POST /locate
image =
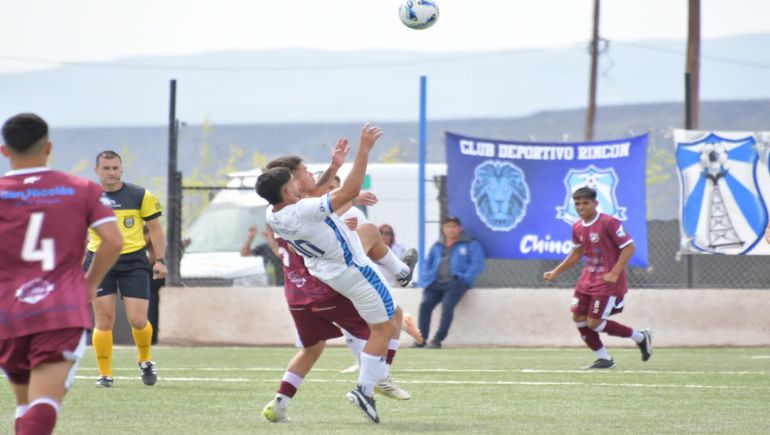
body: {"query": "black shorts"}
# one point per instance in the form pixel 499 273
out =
pixel 130 275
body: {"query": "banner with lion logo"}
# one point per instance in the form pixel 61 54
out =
pixel 516 197
pixel 725 191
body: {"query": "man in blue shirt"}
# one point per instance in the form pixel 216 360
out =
pixel 451 268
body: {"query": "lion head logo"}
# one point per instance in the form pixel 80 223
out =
pixel 500 194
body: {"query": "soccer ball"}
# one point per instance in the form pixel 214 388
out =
pixel 418 14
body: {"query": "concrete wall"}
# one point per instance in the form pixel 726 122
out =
pixel 485 317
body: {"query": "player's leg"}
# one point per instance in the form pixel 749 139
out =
pixel 135 288
pixel 313 329
pixel 356 346
pixel 104 319
pixel 14 365
pixel 366 289
pixel 431 297
pixel 381 254
pixel 609 305
pixel 385 385
pixel 54 356
pixel 298 368
pixel 455 290
pixel 581 303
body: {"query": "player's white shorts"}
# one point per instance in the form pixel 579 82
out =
pixel 368 290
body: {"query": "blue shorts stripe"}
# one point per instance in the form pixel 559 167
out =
pixel 345 249
pixel 382 290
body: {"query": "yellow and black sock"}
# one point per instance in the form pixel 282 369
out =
pixel 102 341
pixel 143 340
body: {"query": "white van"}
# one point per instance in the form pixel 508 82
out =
pixel 213 256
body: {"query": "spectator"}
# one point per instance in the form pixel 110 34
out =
pixel 451 268
pixel 267 251
pixel 389 237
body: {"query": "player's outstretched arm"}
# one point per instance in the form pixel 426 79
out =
pixel 572 259
pixel 105 256
pixel 339 154
pixel 351 187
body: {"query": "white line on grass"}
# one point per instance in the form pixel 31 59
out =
pixel 440 370
pixel 445 382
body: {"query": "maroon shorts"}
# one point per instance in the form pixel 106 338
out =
pixel 18 356
pixel 319 321
pixel 596 306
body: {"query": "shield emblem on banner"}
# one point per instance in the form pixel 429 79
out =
pixel 500 194
pixel 722 210
pixel 603 181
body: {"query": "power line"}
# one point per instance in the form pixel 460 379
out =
pixel 406 63
pixel 711 58
pixel 430 60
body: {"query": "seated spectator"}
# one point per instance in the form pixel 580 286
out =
pixel 451 268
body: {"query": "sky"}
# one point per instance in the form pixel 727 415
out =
pixel 43 33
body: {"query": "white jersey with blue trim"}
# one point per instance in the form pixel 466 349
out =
pixel 318 235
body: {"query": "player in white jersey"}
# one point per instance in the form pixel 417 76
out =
pixel 334 254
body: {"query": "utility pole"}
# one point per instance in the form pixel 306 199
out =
pixel 693 60
pixel 591 116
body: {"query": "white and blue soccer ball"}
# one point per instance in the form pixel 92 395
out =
pixel 418 14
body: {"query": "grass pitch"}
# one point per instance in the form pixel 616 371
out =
pixel 222 390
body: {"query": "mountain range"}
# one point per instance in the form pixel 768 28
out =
pixel 208 151
pixel 300 85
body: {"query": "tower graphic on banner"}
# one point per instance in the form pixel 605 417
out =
pixel 720 227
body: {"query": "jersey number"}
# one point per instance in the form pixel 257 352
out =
pixel 306 249
pixel 30 252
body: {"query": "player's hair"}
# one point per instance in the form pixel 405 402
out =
pixel 23 131
pixel 584 193
pixel 290 162
pixel 270 183
pixel 107 154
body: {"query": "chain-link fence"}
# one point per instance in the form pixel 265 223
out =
pixel 214 232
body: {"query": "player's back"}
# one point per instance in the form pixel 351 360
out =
pixel 44 217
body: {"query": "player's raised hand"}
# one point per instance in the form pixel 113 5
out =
pixel 340 152
pixel 252 231
pixel 549 276
pixel 365 198
pixel 369 135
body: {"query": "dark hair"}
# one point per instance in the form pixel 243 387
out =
pixel 270 183
pixel 289 162
pixel 107 154
pixel 23 131
pixel 454 219
pixel 584 192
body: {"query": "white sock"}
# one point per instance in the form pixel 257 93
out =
pixel 355 344
pixel 282 400
pixel 394 265
pixel 603 354
pixel 637 336
pixel 21 410
pixel 372 368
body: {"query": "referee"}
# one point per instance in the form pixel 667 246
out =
pixel 134 206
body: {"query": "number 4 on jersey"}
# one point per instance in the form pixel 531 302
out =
pixel 30 252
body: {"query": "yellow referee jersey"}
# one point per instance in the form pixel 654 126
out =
pixel 133 205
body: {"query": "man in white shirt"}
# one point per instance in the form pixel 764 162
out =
pixel 334 254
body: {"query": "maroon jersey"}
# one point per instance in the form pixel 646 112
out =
pixel 44 218
pixel 299 286
pixel 602 240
